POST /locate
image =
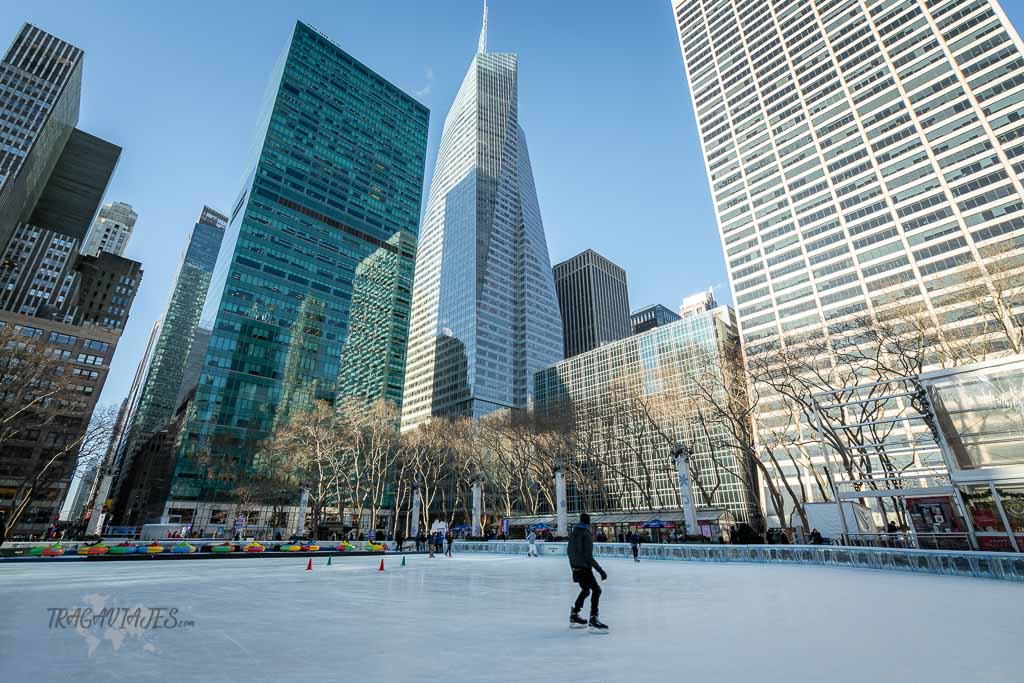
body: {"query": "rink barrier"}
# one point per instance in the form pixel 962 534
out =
pixel 982 565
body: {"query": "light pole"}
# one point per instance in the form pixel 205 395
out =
pixel 417 497
pixel 300 521
pixel 476 478
pixel 561 507
pixel 681 457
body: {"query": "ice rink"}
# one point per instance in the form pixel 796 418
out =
pixel 501 618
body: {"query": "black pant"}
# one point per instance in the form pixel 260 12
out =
pixel 449 551
pixel 588 586
pixel 636 550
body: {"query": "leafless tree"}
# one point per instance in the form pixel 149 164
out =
pixel 47 428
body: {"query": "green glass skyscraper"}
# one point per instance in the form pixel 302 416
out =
pixel 154 396
pixel 337 176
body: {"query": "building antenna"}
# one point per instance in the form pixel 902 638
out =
pixel 481 47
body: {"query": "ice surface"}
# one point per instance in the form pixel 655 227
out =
pixel 501 618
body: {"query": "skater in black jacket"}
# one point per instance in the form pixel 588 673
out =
pixel 634 542
pixel 581 560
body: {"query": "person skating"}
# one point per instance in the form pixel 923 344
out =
pixel 581 560
pixel 634 543
pixel 532 538
pixel 449 538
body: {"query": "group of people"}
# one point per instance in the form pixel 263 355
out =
pixel 435 542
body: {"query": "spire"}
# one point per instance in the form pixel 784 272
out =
pixel 482 45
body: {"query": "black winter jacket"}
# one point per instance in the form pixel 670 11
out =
pixel 581 549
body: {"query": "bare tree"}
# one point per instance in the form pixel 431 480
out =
pixel 309 451
pixel 47 428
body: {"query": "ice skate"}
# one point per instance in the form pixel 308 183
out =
pixel 576 621
pixel 596 626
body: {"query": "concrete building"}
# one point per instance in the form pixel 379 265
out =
pixel 594 302
pixel 864 159
pixel 70 307
pixel 111 230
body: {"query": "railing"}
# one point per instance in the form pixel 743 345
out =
pixel 951 541
pixel 1002 566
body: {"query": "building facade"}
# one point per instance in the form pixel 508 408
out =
pixel 160 378
pixel 484 312
pixel 52 428
pixel 338 174
pixel 649 317
pixel 373 356
pixel 863 159
pixel 39 103
pixel 111 230
pixel 594 302
pixel 628 405
pixel 69 307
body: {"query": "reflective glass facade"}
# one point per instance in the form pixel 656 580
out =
pixel 484 315
pixel 159 377
pixel 337 176
pixel 607 393
pixel 863 156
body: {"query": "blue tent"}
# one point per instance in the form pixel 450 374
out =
pixel 540 527
pixel 462 527
pixel 655 524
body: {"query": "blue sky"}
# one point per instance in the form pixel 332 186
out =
pixel 603 101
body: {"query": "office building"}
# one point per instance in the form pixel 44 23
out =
pixel 85 486
pixel 629 402
pixel 697 303
pixel 373 356
pixel 864 159
pixel 39 102
pixel 194 361
pixel 649 317
pixel 484 312
pixel 111 230
pixel 594 302
pixel 154 398
pixel 338 176
pixel 108 287
pixel 38 274
pixel 83 355
pixel 72 307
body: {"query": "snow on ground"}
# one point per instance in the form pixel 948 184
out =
pixel 501 618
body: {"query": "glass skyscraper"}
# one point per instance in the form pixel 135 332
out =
pixel 864 156
pixel 628 403
pixel 337 176
pixel 154 396
pixel 484 313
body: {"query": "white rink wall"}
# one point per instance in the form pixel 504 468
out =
pixel 1001 566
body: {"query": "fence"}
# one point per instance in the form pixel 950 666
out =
pixel 1001 566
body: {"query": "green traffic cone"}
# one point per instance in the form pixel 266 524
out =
pixel 403 560
pixel 328 560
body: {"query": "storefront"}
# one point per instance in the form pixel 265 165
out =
pixel 979 411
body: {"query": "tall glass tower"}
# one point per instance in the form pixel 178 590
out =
pixel 153 401
pixel 484 313
pixel 336 176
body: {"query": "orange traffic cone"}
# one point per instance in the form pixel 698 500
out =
pixel 381 568
pixel 309 565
